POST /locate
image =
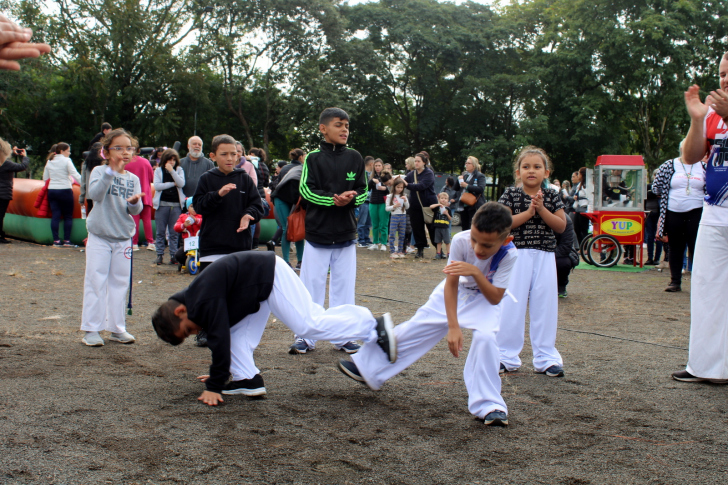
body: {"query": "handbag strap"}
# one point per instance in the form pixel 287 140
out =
pixel 418 192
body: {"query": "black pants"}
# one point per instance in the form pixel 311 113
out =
pixel 682 230
pixel 418 227
pixel 563 268
pixel 581 227
pixel 61 202
pixel 3 209
pixel 466 217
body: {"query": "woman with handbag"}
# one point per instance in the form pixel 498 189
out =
pixel 473 185
pixel 285 197
pixel 421 183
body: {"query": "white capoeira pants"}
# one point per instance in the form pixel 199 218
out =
pixel 426 328
pixel 108 264
pixel 533 284
pixel 315 269
pixel 292 304
pixel 708 355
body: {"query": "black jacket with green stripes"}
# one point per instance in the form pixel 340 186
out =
pixel 332 169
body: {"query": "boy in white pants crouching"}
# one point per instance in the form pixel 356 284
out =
pixel 232 300
pixel 478 271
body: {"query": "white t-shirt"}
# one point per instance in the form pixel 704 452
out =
pixel 678 198
pixel 462 250
pixel 59 169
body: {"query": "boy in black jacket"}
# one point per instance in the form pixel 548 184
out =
pixel 232 301
pixel 228 201
pixel 334 183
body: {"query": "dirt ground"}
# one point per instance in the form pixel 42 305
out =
pixel 129 414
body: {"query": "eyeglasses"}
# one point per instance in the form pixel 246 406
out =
pixel 123 149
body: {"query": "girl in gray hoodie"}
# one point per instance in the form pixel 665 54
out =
pixel 117 196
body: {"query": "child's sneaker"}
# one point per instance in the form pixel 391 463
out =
pixel 411 250
pixel 383 247
pixel 68 244
pixel 122 338
pixel 201 338
pixel 348 347
pixel 299 347
pixel 496 418
pixel 360 245
pixel 553 371
pixel 437 256
pixel 57 244
pixel 373 247
pixel 151 247
pixel 93 339
pixel 385 336
pixel 349 369
pixel 247 387
pixel 135 247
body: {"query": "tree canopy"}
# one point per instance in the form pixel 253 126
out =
pixel 578 78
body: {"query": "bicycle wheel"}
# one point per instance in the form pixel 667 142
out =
pixel 604 251
pixel 192 265
pixel 583 249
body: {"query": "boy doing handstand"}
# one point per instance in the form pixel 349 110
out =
pixel 478 272
pixel 232 300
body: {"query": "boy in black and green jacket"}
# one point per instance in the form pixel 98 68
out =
pixel 333 183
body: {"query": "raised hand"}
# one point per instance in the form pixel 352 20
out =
pixel 226 189
pixel 135 198
pixel 696 109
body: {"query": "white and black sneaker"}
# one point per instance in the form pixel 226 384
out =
pixel 385 336
pixel 247 387
pixel 496 418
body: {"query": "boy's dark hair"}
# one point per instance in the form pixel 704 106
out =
pixel 493 217
pixel 330 113
pixel 222 140
pixel 165 322
pixel 385 176
pixel 168 154
pixel 105 126
pixel 368 159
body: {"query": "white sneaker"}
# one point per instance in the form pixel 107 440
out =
pixel 123 338
pixel 93 339
pixel 135 247
pixel 373 247
pixel 411 250
pixel 151 247
pixel 383 247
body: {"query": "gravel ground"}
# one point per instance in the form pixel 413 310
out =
pixel 129 414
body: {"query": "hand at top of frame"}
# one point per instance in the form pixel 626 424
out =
pixel 14 44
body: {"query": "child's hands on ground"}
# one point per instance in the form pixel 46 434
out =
pixel 460 268
pixel 225 189
pixel 455 341
pixel 245 222
pixel 135 198
pixel 210 398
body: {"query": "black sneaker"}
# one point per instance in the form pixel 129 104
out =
pixel 673 287
pixel 270 245
pixel 496 418
pixel 685 376
pixel 503 370
pixel 173 261
pixel 201 338
pixel 247 387
pixel 385 336
pixel 159 260
pixel 349 369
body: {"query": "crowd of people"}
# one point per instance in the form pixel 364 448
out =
pixel 511 256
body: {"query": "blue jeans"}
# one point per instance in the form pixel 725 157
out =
pixel 165 218
pixel 61 202
pixel 364 225
pixel 283 210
